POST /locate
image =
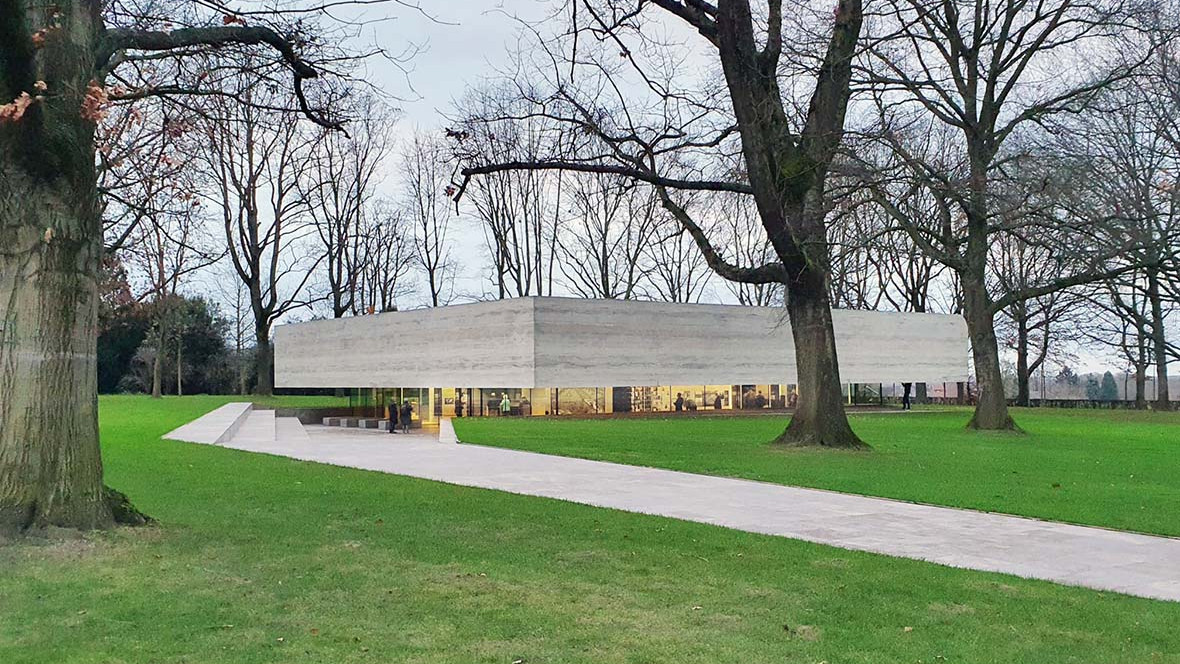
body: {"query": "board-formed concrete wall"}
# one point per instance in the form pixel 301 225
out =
pixel 606 342
pixel 468 345
pixel 565 342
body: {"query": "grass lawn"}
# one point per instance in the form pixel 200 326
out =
pixel 1119 469
pixel 266 559
pixel 193 406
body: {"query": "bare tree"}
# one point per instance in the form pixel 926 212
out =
pixel 957 89
pixel 857 273
pixel 258 161
pixel 426 176
pixel 1129 151
pixel 654 130
pixel 234 298
pixel 341 192
pixel 605 240
pixel 677 272
pixel 167 247
pixel 387 258
pixel 1120 319
pixel 519 209
pixel 1034 328
pixel 59 58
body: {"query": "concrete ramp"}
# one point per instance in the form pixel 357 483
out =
pixel 215 427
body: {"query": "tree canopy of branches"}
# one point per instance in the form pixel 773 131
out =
pixel 625 103
pixel 961 91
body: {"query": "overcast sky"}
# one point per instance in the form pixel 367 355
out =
pixel 469 40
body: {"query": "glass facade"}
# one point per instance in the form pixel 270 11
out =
pixel 430 404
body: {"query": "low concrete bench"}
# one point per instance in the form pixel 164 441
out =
pixel 364 423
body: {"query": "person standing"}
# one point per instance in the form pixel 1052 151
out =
pixel 679 403
pixel 407 414
pixel 505 406
pixel 717 402
pixel 458 404
pixel 393 416
pixel 905 396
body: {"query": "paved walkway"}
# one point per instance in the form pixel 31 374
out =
pixel 1092 557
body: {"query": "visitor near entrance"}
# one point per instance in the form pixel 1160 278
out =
pixel 393 416
pixel 679 402
pixel 505 405
pixel 407 414
pixel 717 402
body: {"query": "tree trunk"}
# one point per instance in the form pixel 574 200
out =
pixel 1022 377
pixel 787 174
pixel 1140 388
pixel 991 406
pixel 263 362
pixel 50 253
pixel 158 368
pixel 1141 372
pixel 819 418
pixel 241 360
pixel 179 366
pixel 1158 341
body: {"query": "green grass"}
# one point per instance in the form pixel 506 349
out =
pixel 1117 469
pixel 266 559
pixel 202 403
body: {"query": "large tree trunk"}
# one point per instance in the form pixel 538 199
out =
pixel 50 467
pixel 787 175
pixel 991 406
pixel 263 362
pixel 819 418
pixel 50 252
pixel 1158 341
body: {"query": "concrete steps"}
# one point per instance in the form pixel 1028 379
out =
pixel 258 427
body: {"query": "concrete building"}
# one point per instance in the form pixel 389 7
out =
pixel 573 356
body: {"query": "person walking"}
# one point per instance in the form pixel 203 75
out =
pixel 905 396
pixel 505 406
pixel 393 416
pixel 679 403
pixel 406 415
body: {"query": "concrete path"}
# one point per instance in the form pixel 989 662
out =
pixel 1091 557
